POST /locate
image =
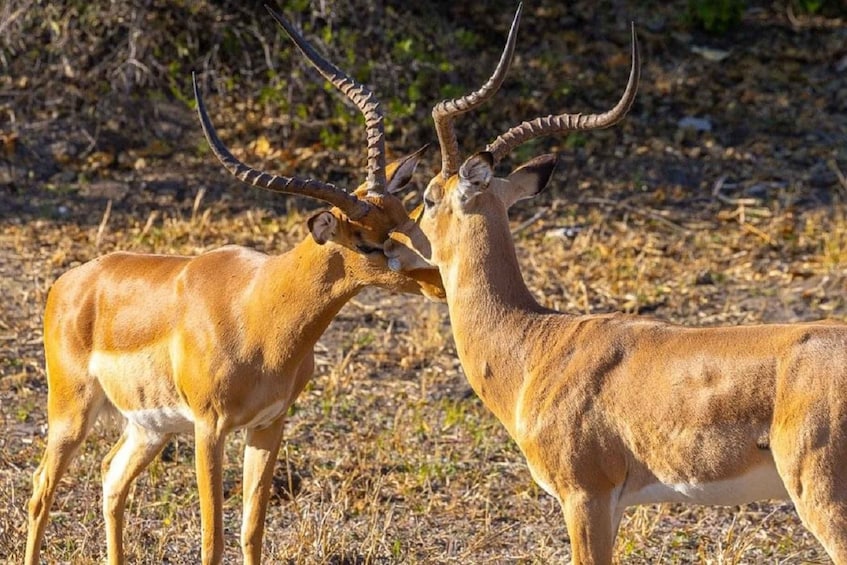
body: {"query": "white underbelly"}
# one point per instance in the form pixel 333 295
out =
pixel 759 483
pixel 141 390
pixel 266 415
pixel 166 419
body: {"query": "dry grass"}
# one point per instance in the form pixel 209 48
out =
pixel 389 456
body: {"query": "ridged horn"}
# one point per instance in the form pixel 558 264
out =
pixel 345 201
pixel 444 113
pixel 363 98
pixel 553 124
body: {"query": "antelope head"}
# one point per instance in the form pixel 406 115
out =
pixel 463 189
pixel 361 220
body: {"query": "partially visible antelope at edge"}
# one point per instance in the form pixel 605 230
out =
pixel 615 410
pixel 213 343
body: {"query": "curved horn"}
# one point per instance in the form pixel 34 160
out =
pixel 445 112
pixel 345 201
pixel 359 94
pixel 554 124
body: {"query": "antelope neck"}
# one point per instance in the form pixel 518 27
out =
pixel 311 278
pixel 491 311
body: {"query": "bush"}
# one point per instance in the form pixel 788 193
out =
pixel 716 16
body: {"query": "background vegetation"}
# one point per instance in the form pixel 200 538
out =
pixel 719 200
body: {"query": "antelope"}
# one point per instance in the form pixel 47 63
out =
pixel 614 410
pixel 214 343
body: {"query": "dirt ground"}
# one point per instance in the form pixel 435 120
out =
pixel 719 200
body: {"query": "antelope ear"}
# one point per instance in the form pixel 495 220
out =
pixel 403 171
pixel 475 174
pixel 527 180
pixel 323 226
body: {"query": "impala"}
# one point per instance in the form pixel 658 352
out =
pixel 616 410
pixel 213 343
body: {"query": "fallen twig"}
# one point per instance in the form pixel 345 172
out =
pixel 842 180
pixel 102 227
pixel 537 216
pixel 648 213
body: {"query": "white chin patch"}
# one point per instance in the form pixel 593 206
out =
pixel 394 264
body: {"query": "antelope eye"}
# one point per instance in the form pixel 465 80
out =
pixel 367 249
pixel 428 203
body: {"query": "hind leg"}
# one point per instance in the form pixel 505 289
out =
pixel 809 456
pixel 822 510
pixel 71 411
pixel 131 455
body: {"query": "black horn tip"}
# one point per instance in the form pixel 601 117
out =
pixel 198 96
pixel 270 9
pixel 289 29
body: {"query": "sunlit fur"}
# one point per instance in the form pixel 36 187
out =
pixel 208 344
pixel 615 410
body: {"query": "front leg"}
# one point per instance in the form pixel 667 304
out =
pixel 209 444
pixel 589 520
pixel 260 454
